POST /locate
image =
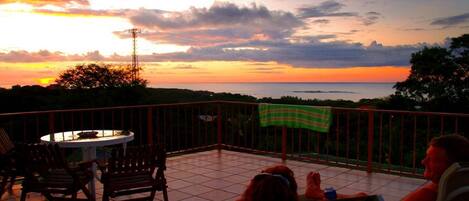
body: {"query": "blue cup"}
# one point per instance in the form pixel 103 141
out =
pixel 330 193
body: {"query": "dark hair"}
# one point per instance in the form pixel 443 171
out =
pixel 456 147
pixel 273 184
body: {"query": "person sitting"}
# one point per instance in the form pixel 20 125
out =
pixel 441 153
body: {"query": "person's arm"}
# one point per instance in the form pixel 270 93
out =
pixel 425 193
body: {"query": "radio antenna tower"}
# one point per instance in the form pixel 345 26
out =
pixel 135 69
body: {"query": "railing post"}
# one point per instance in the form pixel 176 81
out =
pixel 52 127
pixel 371 127
pixel 219 126
pixel 284 143
pixel 150 126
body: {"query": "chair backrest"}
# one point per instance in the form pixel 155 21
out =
pixel 136 159
pixel 43 157
pixel 454 183
pixel 6 145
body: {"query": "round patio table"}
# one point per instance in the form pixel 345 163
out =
pixel 88 144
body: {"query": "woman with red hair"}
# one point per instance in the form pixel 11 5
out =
pixel 272 184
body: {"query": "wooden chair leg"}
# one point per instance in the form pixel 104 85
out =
pixel 24 193
pixel 152 195
pixel 165 193
pixel 3 185
pixel 12 182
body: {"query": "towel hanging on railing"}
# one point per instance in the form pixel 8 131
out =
pixel 316 118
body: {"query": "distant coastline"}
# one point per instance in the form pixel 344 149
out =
pixel 306 90
pixel 319 91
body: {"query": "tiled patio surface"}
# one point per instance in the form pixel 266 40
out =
pixel 223 176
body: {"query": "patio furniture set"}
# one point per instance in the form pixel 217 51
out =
pixel 133 170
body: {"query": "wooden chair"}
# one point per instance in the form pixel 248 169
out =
pixel 8 166
pixel 48 173
pixel 454 183
pixel 132 171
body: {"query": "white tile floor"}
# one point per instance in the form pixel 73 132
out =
pixel 215 176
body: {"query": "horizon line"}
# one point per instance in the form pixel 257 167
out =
pixel 275 83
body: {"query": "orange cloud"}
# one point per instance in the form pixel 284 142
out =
pixel 80 13
pixel 38 3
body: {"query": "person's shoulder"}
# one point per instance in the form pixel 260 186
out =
pixel 424 193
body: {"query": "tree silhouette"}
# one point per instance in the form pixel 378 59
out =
pixel 90 76
pixel 439 77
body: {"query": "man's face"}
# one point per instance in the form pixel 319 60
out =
pixel 435 162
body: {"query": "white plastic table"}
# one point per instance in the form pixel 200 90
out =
pixel 70 139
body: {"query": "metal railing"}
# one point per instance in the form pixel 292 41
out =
pixel 369 139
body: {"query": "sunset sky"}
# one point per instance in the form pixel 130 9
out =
pixel 183 41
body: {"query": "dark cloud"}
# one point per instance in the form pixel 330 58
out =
pixel 332 8
pixel 45 55
pixel 25 56
pixel 373 13
pixel 335 34
pixel 451 20
pixel 413 29
pixel 308 54
pixel 185 67
pixel 313 38
pixel 207 37
pixel 220 14
pixel 219 24
pixel 370 18
pixel 325 9
pixel 266 68
pixel 39 3
pixel 321 21
pixel 260 64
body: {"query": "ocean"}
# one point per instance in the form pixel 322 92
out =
pixel 323 91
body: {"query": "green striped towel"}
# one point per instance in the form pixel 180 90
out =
pixel 296 116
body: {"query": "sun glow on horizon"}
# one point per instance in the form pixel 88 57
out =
pixel 209 72
pixel 46 80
